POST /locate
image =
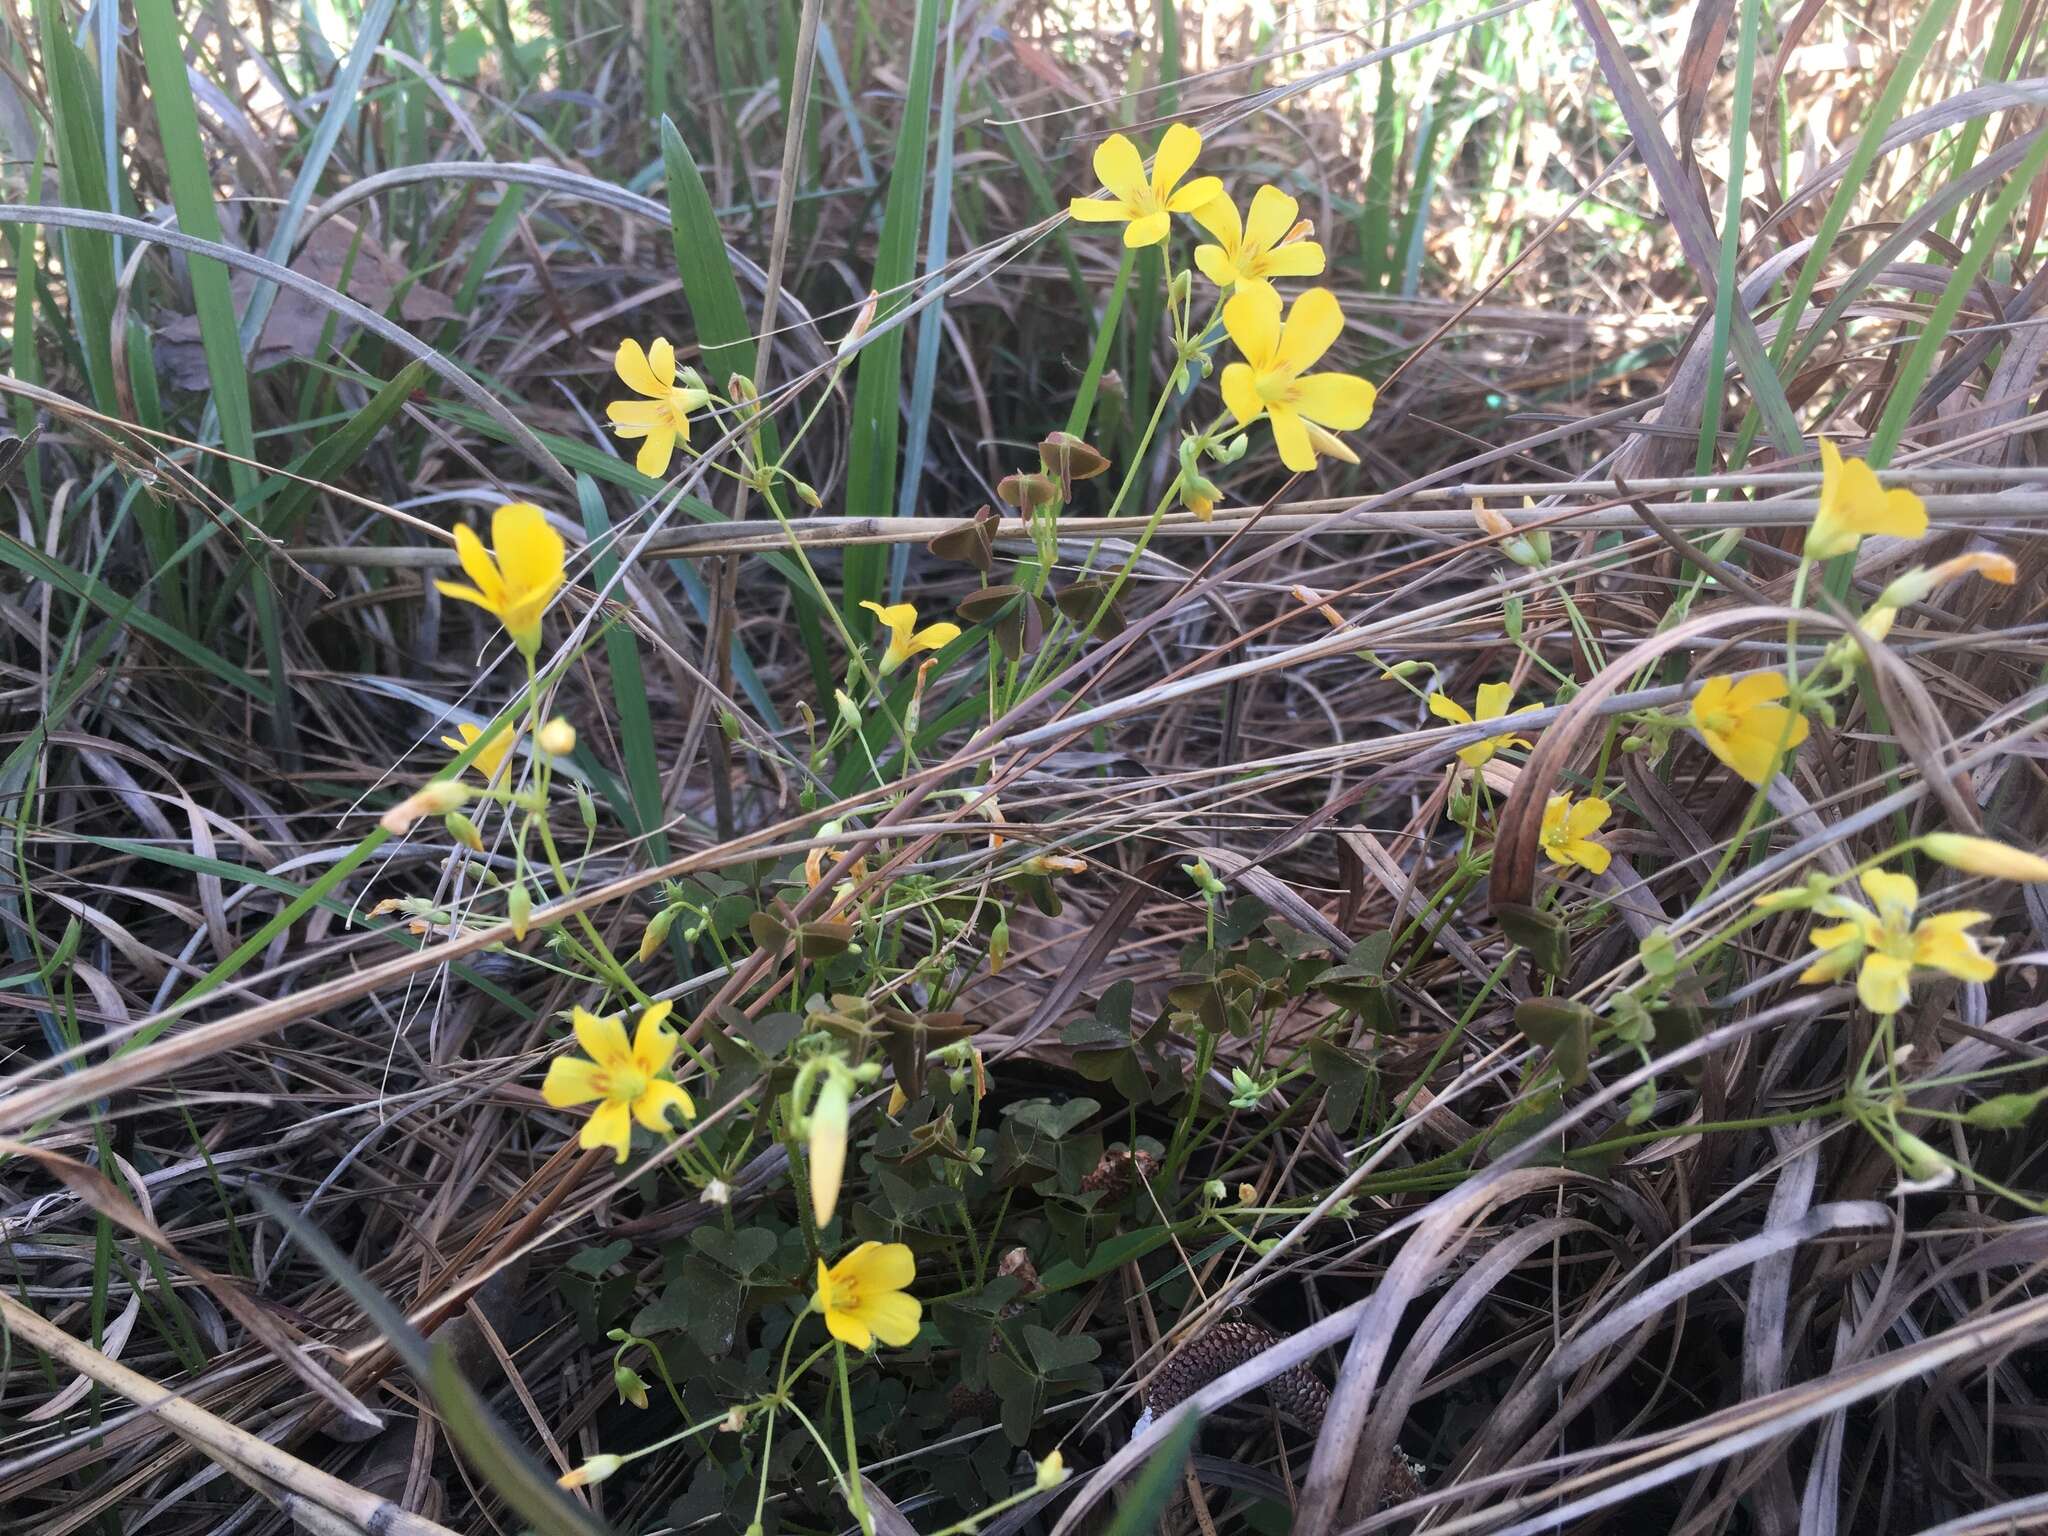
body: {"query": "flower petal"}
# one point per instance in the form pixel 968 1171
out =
pixel 1315 321
pixel 654 1044
pixel 572 1080
pixel 530 552
pixel 898 618
pixel 631 363
pixel 1203 189
pixel 1290 436
pixel 1942 944
pixel 652 1107
pixel 1098 210
pixel 1219 217
pixel 1240 386
pixel 603 1038
pixel 1119 167
pixel 636 413
pixel 1586 817
pixel 478 565
pixel 1339 400
pixel 882 1266
pixel 892 1316
pixel 1213 264
pixel 1444 707
pixel 1894 895
pixel 653 458
pixel 1589 855
pixel 661 361
pixel 1494 699
pixel 1883 985
pixel 1149 230
pixel 848 1329
pixel 1758 688
pixel 934 637
pixel 609 1125
pixel 1252 317
pixel 1304 258
pixel 1271 216
pixel 1178 147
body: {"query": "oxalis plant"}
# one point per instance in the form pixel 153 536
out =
pixel 929 1262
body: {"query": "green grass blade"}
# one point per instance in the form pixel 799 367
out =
pixel 701 261
pixel 629 682
pixel 82 177
pixel 878 375
pixel 1727 283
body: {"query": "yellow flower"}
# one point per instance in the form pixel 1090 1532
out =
pixel 1265 245
pixel 664 415
pixel 1888 946
pixel 1493 705
pixel 862 1296
pixel 1145 207
pixel 488 761
pixel 1568 832
pixel 523 578
pixel 624 1078
pixel 1744 726
pixel 1853 504
pixel 1273 380
pixel 905 638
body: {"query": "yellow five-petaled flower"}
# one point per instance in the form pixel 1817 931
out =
pixel 523 578
pixel 1743 724
pixel 1266 244
pixel 1853 504
pixel 1146 206
pixel 863 1296
pixel 905 638
pixel 1567 833
pixel 623 1077
pixel 1493 703
pixel 1273 380
pixel 491 756
pixel 664 414
pixel 1888 945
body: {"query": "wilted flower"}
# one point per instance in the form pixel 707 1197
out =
pixel 436 798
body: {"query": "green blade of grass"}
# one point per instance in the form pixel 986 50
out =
pixel 1727 284
pixel 701 261
pixel 878 375
pixel 82 177
pixel 629 684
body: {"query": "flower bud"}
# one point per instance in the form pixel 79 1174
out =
pixel 1213 1191
pixel 1247 1194
pixel 1984 856
pixel 1052 1471
pixel 999 945
pixel 861 323
pixel 435 798
pixel 805 494
pixel 595 1470
pixel 2005 1112
pixel 1923 1165
pixel 1914 586
pixel 631 1387
pixel 518 911
pixel 557 738
pixel 829 1120
pixel 586 809
pixel 717 1192
pixel 655 934
pixel 464 831
pixel 849 712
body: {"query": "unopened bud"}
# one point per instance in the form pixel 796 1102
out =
pixel 804 493
pixel 1178 290
pixel 595 1470
pixel 436 798
pixel 2005 1112
pixel 829 1120
pixel 1247 1194
pixel 518 911
pixel 861 323
pixel 1984 856
pixel 1923 1165
pixel 464 831
pixel 655 934
pixel 1052 1471
pixel 557 738
pixel 631 1387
